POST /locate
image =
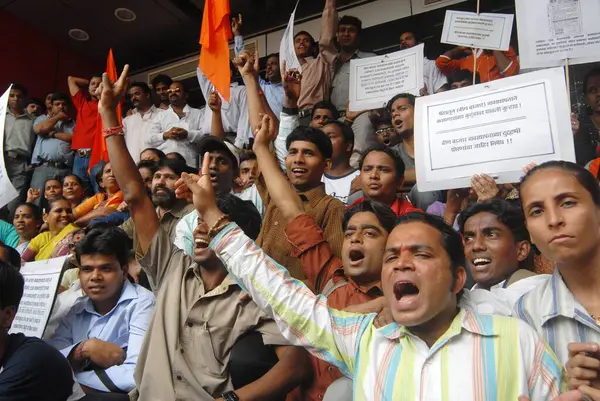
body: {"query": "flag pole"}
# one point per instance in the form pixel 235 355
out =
pixel 568 74
pixel 475 53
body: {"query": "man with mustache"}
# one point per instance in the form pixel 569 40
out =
pixel 143 121
pixel 161 84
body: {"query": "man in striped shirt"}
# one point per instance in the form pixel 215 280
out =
pixel 443 352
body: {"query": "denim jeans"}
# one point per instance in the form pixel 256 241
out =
pixel 80 169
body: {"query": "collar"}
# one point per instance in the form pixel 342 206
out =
pixel 558 300
pixel 372 291
pixel 475 323
pixel 186 109
pixel 313 196
pixel 127 293
pixel 221 289
pixel 179 210
pixel 25 114
pixel 151 110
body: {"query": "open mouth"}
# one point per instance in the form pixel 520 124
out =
pixel 405 291
pixel 356 256
pixel 299 171
pixel 398 123
pixel 481 262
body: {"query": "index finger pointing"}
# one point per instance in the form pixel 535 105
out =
pixel 205 170
pixel 123 76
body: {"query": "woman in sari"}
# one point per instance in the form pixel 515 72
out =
pixel 60 224
pixel 72 190
pixel 27 222
pixel 103 203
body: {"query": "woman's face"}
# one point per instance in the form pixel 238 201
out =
pixel 52 189
pixel 25 223
pixel 109 181
pixel 72 190
pixel 59 216
pixel 561 216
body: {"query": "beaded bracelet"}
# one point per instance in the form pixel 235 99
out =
pixel 108 132
pixel 216 225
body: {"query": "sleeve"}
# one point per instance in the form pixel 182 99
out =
pixel 252 194
pixel 114 219
pixel 270 333
pixel 303 318
pixel 115 200
pixel 37 242
pixel 195 132
pixel 62 339
pixel 155 136
pixel 78 99
pixel 447 65
pixel 287 123
pixel 243 128
pixel 332 227
pixel 122 375
pixel 184 229
pixel 205 84
pixel 584 148
pixel 514 67
pixel 128 227
pixel 160 257
pixel 35 370
pixel 238 41
pixel 327 48
pixel 309 245
pixel 439 79
pixel 8 234
pixel 86 206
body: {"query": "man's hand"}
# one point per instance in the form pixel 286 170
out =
pixel 236 24
pixel 203 195
pixel 214 101
pixel 103 353
pixel 265 132
pixel 353 115
pixel 110 93
pixel 180 133
pixel 247 64
pixel 583 365
pixel 32 195
pixel 484 186
pixel 528 167
pixel 570 396
pixel 62 116
pixel 423 91
pixel 122 207
pixel 292 80
pixel 574 124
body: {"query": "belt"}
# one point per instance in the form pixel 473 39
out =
pixel 304 113
pixel 17 156
pixel 60 165
pixel 83 152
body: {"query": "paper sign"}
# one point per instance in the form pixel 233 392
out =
pixel 7 190
pixel 41 285
pixel 287 50
pixel 422 6
pixel 483 31
pixel 494 128
pixel 375 80
pixel 552 30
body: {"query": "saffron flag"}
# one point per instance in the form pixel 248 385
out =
pixel 99 151
pixel 215 35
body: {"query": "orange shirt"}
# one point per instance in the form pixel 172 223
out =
pixel 87 118
pixel 486 65
pixel 325 272
pixel 95 201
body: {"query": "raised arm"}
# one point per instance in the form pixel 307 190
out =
pixel 289 120
pixel 75 84
pixel 329 22
pixel 507 62
pixel 214 103
pixel 450 61
pixel 126 173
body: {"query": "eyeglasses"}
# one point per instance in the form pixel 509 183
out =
pixel 382 131
pixel 176 90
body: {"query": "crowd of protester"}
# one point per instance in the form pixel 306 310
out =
pixel 276 246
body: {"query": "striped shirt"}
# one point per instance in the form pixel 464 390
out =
pixel 478 358
pixel 557 316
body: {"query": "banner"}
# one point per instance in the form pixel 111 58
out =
pixel 483 31
pixel 7 190
pixel 287 50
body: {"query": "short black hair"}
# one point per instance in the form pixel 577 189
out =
pixel 11 285
pixel 104 239
pixel 183 85
pixel 347 131
pixel 273 55
pixel 241 212
pixel 350 20
pixel 175 156
pixel 142 85
pixel 35 210
pixel 398 163
pixel 379 117
pixel 247 155
pixel 312 40
pixel 411 100
pixel 594 72
pixel 325 106
pixel 176 165
pixel 161 79
pixel 19 87
pixel 98 75
pixel 157 152
pixel 451 240
pixel 149 164
pixel 55 199
pixel 37 101
pixel 12 257
pixel 60 96
pixel 583 176
pixel 415 35
pixel 508 214
pixel 313 135
pixel 385 215
pixel 463 75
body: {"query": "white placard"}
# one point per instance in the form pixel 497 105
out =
pixel 7 190
pixel 494 128
pixel 552 30
pixel 483 31
pixel 287 51
pixel 375 80
pixel 422 6
pixel 41 285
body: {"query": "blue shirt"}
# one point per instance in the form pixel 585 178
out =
pixel 8 234
pixel 53 149
pixel 125 325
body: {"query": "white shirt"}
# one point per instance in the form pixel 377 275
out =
pixel 191 122
pixel 432 76
pixel 138 128
pixel 339 187
pixel 234 113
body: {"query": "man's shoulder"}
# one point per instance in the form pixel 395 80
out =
pixel 143 293
pixel 29 351
pixel 41 119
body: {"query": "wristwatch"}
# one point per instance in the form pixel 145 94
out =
pixel 230 396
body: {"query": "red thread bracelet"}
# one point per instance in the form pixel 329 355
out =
pixel 108 132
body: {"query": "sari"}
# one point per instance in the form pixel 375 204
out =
pixel 44 244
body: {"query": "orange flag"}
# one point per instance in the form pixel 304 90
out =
pixel 214 38
pixel 99 151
